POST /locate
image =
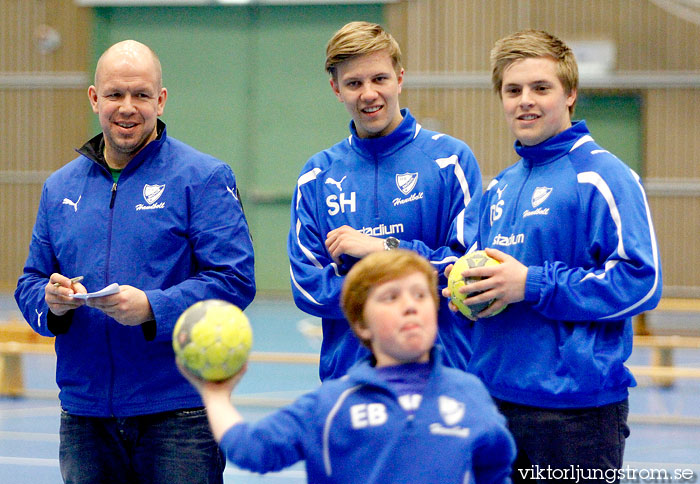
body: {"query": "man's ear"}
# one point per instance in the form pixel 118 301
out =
pixel 336 89
pixel 571 98
pixel 92 96
pixel 162 97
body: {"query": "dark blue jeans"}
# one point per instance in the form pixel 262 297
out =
pixel 583 445
pixel 166 448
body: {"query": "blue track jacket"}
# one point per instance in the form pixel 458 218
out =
pixel 354 430
pixel 416 185
pixel 173 227
pixel 579 219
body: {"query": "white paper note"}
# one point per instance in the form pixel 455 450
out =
pixel 107 291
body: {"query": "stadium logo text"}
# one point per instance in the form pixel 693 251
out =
pixel 507 241
pixel 383 230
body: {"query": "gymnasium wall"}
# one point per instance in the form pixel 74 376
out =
pixel 43 112
pixel 246 84
pixel 446 45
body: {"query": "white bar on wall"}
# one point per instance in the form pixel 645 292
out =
pixel 44 80
pixel 140 3
pixel 617 80
pixel 145 3
pixel 672 187
pixel 11 177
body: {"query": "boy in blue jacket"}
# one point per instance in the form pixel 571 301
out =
pixel 572 227
pixel 398 416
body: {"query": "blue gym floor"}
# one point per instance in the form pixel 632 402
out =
pixel 665 422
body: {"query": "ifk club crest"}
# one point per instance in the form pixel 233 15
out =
pixel 151 193
pixel 451 410
pixel 406 182
pixel 540 195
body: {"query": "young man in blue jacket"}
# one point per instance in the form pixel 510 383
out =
pixel 390 184
pixel 572 227
pixel 398 416
pixel 164 222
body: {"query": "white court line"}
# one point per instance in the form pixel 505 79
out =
pixel 286 474
pixel 32 436
pixel 29 412
pixel 664 419
pixel 230 470
pixel 28 461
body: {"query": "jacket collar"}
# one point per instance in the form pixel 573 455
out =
pixel 363 372
pixel 552 148
pixel 385 145
pixel 94 149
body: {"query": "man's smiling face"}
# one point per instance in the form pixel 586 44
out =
pixel 535 103
pixel 128 98
pixel 369 86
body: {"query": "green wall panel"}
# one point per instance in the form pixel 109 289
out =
pixel 297 112
pixel 204 54
pixel 247 85
pixel 615 121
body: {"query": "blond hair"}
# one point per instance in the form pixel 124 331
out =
pixel 375 269
pixel 359 38
pixel 529 44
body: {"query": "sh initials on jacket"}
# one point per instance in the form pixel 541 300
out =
pixel 67 201
pixel 341 203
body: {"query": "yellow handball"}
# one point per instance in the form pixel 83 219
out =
pixel 212 339
pixel 455 281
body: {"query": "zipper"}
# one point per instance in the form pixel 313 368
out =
pixel 376 188
pixel 110 391
pixel 514 215
pixel 109 228
pixel 114 194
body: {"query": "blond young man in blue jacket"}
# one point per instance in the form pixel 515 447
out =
pixel 571 225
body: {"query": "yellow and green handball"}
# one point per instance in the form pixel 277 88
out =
pixel 212 339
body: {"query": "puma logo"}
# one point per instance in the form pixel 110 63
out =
pixel 499 191
pixel 336 183
pixel 72 203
